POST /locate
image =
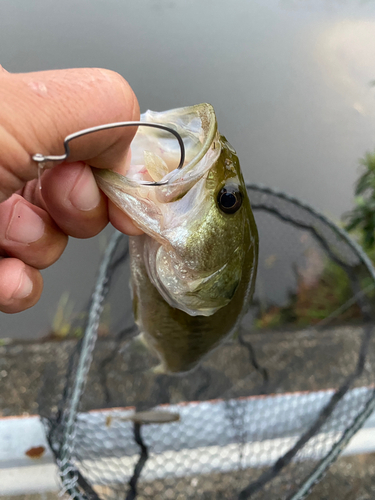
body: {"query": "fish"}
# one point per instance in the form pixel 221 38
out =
pixel 193 270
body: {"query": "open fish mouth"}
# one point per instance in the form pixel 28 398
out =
pixel 155 154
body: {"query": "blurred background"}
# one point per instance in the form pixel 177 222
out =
pixel 291 83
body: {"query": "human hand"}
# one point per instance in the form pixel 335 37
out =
pixel 37 111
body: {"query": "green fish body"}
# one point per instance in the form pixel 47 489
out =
pixel 193 270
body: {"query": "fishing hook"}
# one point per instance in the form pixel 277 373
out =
pixel 40 159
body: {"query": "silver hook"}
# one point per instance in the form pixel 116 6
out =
pixel 39 158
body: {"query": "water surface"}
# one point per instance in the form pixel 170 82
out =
pixel 290 82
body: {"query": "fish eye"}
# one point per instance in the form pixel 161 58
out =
pixel 229 199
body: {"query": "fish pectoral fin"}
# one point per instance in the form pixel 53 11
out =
pixel 156 166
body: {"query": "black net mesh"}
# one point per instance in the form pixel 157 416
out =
pixel 262 416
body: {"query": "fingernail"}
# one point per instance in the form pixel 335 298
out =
pixel 85 195
pixel 24 288
pixel 25 225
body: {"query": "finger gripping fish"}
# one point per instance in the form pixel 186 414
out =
pixel 193 270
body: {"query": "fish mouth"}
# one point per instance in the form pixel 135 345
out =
pixel 154 152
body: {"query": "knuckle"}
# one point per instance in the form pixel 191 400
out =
pixel 127 97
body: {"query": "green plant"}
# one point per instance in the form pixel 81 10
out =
pixel 314 302
pixel 310 304
pixel 62 323
pixel 362 217
pixel 67 324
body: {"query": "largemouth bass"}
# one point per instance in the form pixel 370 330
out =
pixel 193 271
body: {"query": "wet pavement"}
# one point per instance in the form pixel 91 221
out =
pixel 296 361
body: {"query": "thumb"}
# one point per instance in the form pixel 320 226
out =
pixel 38 110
